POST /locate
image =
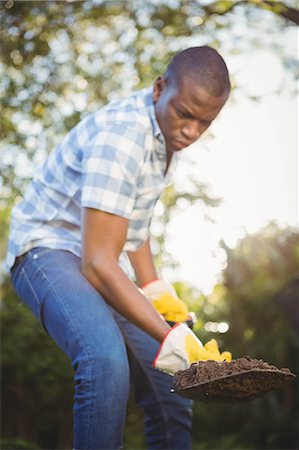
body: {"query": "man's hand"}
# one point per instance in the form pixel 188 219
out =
pixel 181 347
pixel 165 300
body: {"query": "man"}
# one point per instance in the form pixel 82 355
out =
pixel 87 208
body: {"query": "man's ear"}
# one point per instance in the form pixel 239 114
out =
pixel 159 86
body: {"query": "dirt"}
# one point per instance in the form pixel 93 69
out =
pixel 241 379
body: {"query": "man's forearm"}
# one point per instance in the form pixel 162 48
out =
pixel 116 288
pixel 143 264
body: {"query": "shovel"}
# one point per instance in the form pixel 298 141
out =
pixel 222 382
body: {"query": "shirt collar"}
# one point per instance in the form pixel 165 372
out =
pixel 148 100
pixel 160 147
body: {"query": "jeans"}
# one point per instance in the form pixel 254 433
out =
pixel 107 353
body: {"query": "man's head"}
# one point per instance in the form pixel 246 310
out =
pixel 190 95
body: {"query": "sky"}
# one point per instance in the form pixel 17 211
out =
pixel 251 162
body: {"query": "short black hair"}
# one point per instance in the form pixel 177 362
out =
pixel 203 65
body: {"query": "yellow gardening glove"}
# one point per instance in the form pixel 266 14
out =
pixel 209 351
pixel 165 300
pixel 181 347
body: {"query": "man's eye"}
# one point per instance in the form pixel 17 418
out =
pixel 181 113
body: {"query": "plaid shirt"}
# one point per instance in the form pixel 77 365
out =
pixel 114 160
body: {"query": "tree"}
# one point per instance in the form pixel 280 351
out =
pixel 60 61
pixel 257 271
pixel 36 385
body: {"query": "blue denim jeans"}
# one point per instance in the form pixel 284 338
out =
pixel 107 353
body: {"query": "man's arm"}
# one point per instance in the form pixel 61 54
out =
pixel 143 264
pixel 103 238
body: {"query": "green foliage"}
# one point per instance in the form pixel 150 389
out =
pixel 37 385
pixel 134 437
pixel 62 60
pixel 268 259
pixel 14 444
pixel 257 269
pixel 221 7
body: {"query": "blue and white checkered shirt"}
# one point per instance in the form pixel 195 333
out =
pixel 114 160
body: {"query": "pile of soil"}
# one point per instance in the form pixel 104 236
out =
pixel 241 379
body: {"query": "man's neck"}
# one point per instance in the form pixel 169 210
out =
pixel 168 160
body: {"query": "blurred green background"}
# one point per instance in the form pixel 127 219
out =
pixel 62 60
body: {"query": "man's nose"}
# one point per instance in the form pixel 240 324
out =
pixel 192 131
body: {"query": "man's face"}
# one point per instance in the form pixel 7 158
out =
pixel 184 111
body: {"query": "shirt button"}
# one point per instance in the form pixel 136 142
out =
pixel 160 157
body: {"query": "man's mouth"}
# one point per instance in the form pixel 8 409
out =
pixel 180 144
